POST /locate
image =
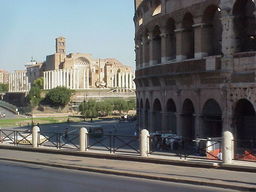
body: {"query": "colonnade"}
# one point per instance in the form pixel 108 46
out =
pixel 70 78
pixel 123 80
pixel 18 82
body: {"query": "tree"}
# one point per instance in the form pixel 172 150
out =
pixel 104 107
pixel 59 96
pixel 131 104
pixel 88 109
pixel 34 96
pixel 3 87
pixel 39 83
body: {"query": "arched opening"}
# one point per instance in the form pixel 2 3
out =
pixel 140 52
pixel 188 42
pixel 244 121
pixel 146 48
pixel 157 116
pixel 171 116
pixel 245 25
pixel 188 120
pixel 147 109
pixel 157 7
pixel 212 30
pixel 211 119
pixel 156 45
pixel 171 39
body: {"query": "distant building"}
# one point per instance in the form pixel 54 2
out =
pixel 4 76
pixel 18 82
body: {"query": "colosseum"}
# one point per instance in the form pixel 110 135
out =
pixel 195 67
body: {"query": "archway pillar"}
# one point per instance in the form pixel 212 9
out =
pixel 164 37
pixel 198 125
pixel 179 124
pixel 180 44
pixel 202 40
pixel 151 49
pixel 145 51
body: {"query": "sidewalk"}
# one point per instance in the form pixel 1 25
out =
pixel 154 167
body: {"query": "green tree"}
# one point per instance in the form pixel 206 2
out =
pixel 131 104
pixel 34 96
pixel 104 107
pixel 59 96
pixel 39 83
pixel 3 87
pixel 88 109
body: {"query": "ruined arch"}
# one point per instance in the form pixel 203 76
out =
pixel 171 116
pixel 147 111
pixel 212 30
pixel 188 120
pixel 156 7
pixel 188 43
pixel 211 119
pixel 171 39
pixel 157 115
pixel 157 45
pixel 244 120
pixel 245 25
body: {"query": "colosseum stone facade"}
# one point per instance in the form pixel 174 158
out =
pixel 195 67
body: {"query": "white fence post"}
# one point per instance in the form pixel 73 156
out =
pixel 35 136
pixel 83 139
pixel 228 147
pixel 144 143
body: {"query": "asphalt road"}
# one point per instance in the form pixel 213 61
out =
pixel 29 178
pixel 9 115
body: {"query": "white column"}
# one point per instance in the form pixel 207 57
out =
pixel 126 80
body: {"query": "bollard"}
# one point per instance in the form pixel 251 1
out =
pixel 83 139
pixel 144 143
pixel 35 136
pixel 228 147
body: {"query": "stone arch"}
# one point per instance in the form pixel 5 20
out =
pixel 245 25
pixel 156 45
pixel 171 39
pixel 211 119
pixel 146 47
pixel 188 120
pixel 147 112
pixel 244 120
pixel 188 43
pixel 171 116
pixel 157 115
pixel 157 7
pixel 212 30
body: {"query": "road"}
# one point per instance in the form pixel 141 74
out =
pixel 29 178
pixel 9 115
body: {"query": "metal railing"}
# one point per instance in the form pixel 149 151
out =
pixel 16 137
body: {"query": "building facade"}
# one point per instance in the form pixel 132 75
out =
pixel 4 76
pixel 18 82
pixel 195 67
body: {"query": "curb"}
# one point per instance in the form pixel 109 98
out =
pixel 136 175
pixel 135 158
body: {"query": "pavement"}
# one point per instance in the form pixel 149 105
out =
pixel 238 176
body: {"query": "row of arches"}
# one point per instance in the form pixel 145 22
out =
pixel 189 39
pixel 209 122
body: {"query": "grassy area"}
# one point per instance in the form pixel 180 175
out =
pixel 41 120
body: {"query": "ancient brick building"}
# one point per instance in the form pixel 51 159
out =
pixel 195 67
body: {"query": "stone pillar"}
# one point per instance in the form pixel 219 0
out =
pixel 35 136
pixel 202 44
pixel 83 139
pixel 179 124
pixel 164 36
pixel 151 49
pixel 126 80
pixel 44 80
pixel 198 122
pixel 179 44
pixel 144 143
pixel 228 40
pixel 227 147
pixel 145 51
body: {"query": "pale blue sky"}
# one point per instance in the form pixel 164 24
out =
pixel 28 28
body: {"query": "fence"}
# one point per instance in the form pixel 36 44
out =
pixel 144 144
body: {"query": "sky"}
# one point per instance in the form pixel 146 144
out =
pixel 28 28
